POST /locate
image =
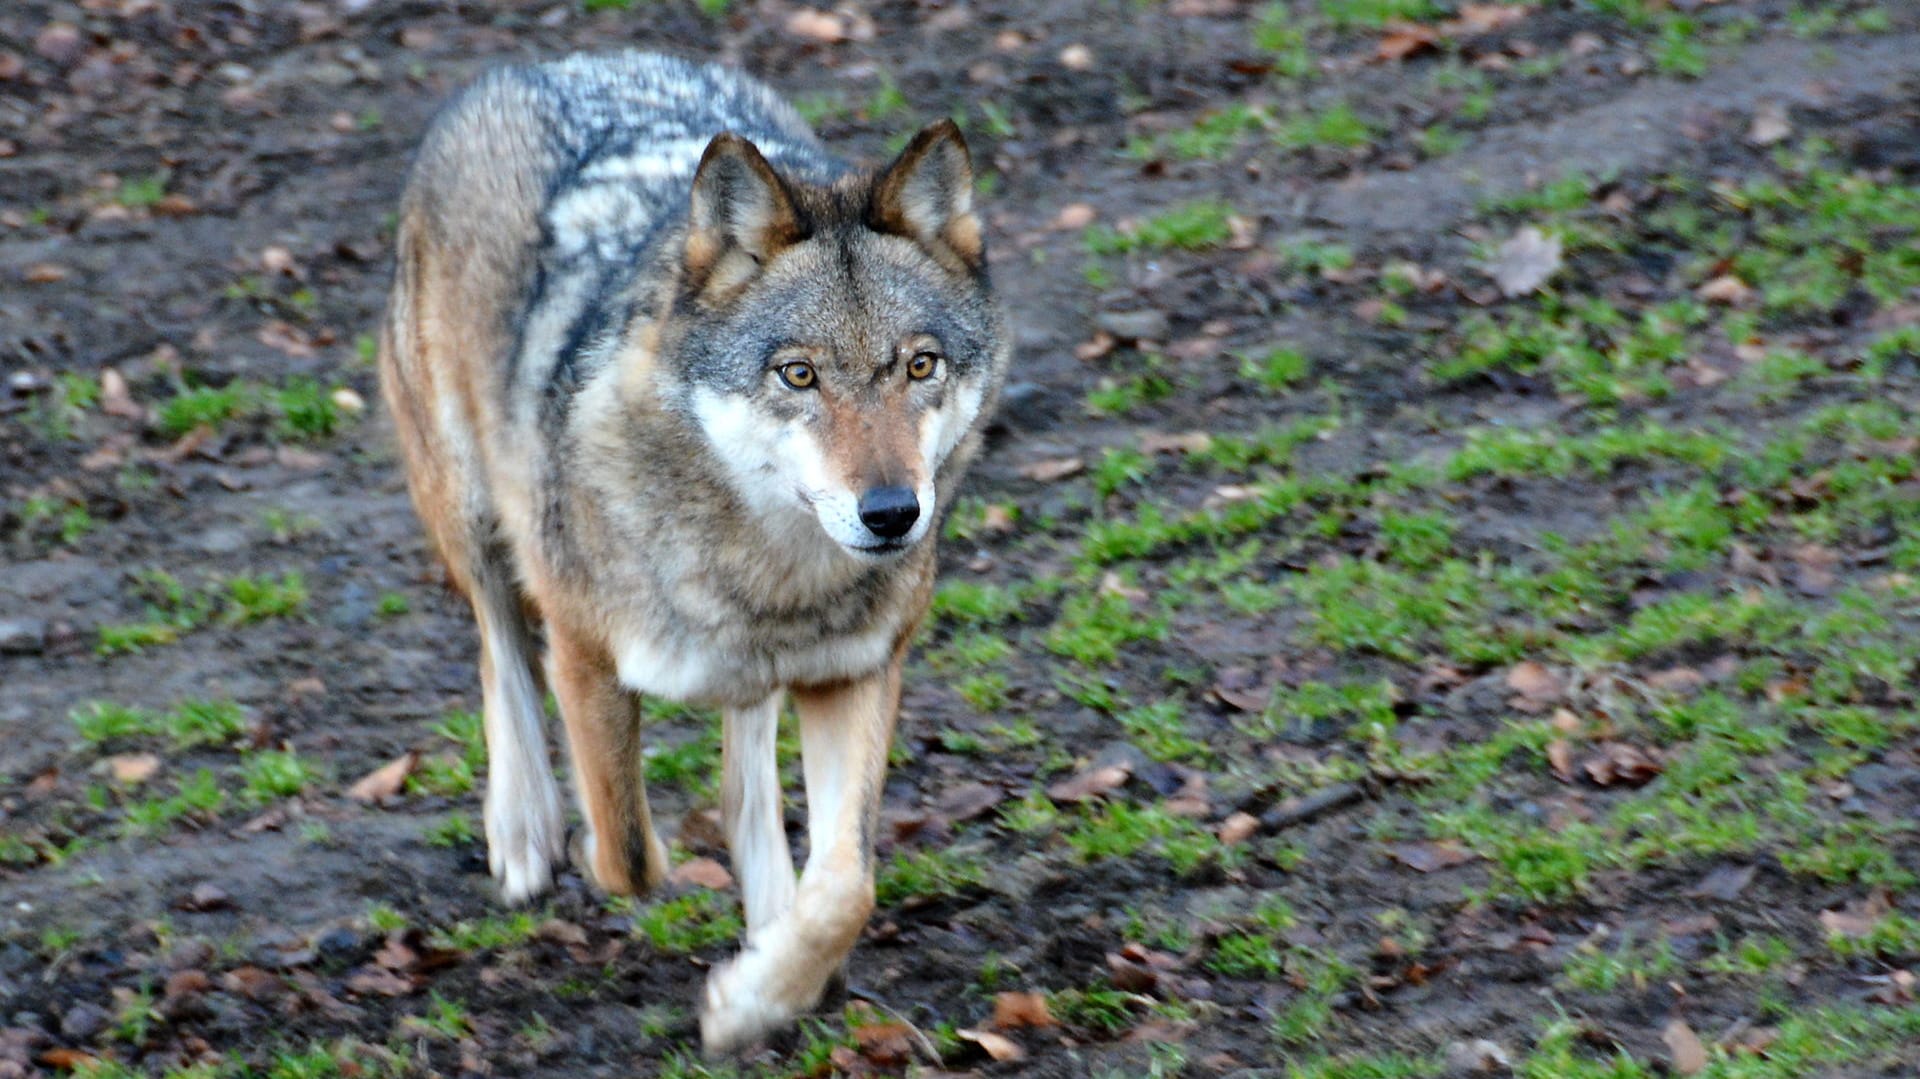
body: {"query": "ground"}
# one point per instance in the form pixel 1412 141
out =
pixel 1436 600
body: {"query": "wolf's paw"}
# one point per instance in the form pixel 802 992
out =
pixel 525 838
pixel 737 1012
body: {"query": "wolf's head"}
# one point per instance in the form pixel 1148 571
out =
pixel 836 345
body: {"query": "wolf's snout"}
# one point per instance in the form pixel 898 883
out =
pixel 889 512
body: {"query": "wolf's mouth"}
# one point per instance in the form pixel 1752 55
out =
pixel 884 547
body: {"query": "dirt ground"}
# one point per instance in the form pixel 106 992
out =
pixel 1436 600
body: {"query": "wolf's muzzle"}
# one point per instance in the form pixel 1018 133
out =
pixel 889 512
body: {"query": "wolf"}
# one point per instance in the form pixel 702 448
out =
pixel 680 396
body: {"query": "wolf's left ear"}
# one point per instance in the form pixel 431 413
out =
pixel 926 195
pixel 739 216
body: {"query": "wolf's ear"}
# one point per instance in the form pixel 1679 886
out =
pixel 926 195
pixel 739 216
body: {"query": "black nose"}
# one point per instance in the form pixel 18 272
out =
pixel 889 512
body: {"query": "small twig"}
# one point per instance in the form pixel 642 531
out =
pixel 924 1043
pixel 1301 809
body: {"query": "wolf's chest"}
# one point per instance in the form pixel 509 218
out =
pixel 733 669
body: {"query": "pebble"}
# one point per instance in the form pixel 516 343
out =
pixel 83 1021
pixel 1147 325
pixel 23 636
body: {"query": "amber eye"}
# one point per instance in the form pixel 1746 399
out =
pixel 799 375
pixel 922 365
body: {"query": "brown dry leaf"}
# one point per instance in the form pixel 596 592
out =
pixel 889 1044
pixel 1560 759
pixel 1053 469
pixel 1184 442
pixel 1858 918
pixel 277 260
pixel 1484 18
pixel 385 781
pixel 1725 289
pixel 1075 216
pixel 1536 684
pixel 1238 828
pixel 998 1046
pixel 1620 763
pixel 821 26
pixel 998 519
pixel 1689 1056
pixel 116 399
pixel 1241 689
pixel 1431 857
pixel 380 982
pixel 1091 783
pixel 1012 1010
pixel 68 1059
pixel 132 768
pixel 968 800
pixel 704 872
pixel 1525 261
pixel 44 273
pixel 1407 39
pixel 1129 976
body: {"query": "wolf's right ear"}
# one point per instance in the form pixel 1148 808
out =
pixel 739 217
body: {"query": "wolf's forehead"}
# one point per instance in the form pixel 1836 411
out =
pixel 852 297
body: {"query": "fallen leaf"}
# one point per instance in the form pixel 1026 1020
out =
pixel 68 1059
pixel 704 872
pixel 1689 1056
pixel 1725 289
pixel 1408 39
pixel 349 402
pixel 888 1044
pixel 385 781
pixel 1089 784
pixel 1858 918
pixel 1622 764
pixel 1100 344
pixel 998 1046
pixel 381 982
pixel 1560 759
pixel 203 898
pixel 1770 124
pixel 116 399
pixel 821 26
pixel 1431 857
pixel 1052 470
pixel 1241 689
pixel 44 273
pixel 968 800
pixel 1238 828
pixel 1129 976
pixel 1076 58
pixel 1525 261
pixel 1012 1010
pixel 1536 684
pixel 132 768
pixel 1484 18
pixel 1075 216
pixel 1725 883
pixel 1185 442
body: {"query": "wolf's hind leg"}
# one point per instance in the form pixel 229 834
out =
pixel 750 805
pixel 603 741
pixel 844 731
pixel 525 830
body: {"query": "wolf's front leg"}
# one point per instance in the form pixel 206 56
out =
pixel 750 806
pixel 844 731
pixel 602 718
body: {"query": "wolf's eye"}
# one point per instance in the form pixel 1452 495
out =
pixel 922 365
pixel 799 375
